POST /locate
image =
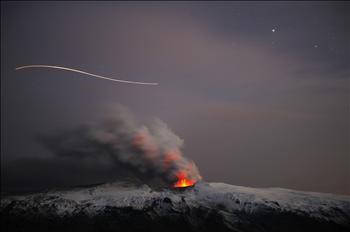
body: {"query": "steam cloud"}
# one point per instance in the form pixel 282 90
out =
pixel 153 153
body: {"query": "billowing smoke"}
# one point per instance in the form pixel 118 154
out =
pixel 152 153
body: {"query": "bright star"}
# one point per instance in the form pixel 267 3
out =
pixel 273 30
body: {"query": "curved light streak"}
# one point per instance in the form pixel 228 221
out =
pixel 82 72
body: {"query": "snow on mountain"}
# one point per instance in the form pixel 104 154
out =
pixel 203 207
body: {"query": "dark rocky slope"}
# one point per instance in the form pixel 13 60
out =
pixel 204 207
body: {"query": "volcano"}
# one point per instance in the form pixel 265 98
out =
pixel 123 206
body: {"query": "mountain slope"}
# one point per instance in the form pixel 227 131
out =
pixel 203 207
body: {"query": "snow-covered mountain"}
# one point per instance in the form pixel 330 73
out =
pixel 123 206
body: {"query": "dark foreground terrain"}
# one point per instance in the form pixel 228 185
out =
pixel 204 207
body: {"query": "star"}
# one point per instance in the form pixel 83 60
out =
pixel 315 45
pixel 273 29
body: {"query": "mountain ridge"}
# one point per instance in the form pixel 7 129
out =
pixel 204 207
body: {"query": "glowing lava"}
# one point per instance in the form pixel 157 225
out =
pixel 183 181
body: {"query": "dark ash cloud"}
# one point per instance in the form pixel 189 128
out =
pixel 152 154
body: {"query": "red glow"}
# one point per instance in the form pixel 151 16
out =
pixel 183 181
pixel 142 141
pixel 170 157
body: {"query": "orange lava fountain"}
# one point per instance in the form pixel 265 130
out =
pixel 183 181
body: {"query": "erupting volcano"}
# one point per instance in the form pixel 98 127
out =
pixel 150 153
pixel 183 181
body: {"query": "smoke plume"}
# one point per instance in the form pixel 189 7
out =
pixel 153 153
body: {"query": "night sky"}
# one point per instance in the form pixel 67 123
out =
pixel 259 91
